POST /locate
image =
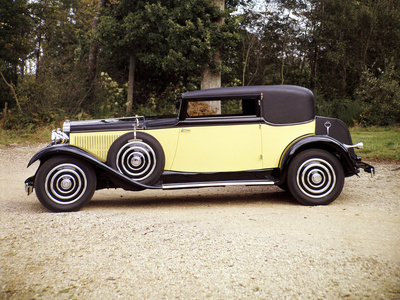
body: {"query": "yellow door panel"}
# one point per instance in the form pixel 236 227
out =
pixel 218 149
pixel 276 138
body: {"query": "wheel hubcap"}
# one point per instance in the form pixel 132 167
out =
pixel 65 183
pixel 316 178
pixel 136 160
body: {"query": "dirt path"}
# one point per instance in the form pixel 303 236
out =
pixel 218 243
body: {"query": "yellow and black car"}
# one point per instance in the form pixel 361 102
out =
pixel 255 135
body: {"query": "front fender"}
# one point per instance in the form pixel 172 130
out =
pixel 319 142
pixel 66 149
pixel 52 150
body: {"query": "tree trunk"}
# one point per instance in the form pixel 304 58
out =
pixel 131 80
pixel 213 79
pixel 10 85
pixel 38 55
pixel 93 51
pixel 283 61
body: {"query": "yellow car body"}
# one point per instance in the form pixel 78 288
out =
pixel 257 135
pixel 209 148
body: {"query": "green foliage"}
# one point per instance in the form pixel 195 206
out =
pixel 159 104
pixel 111 97
pixel 380 96
pixel 346 52
pixel 15 25
pixel 347 110
pixel 172 42
pixel 15 46
pixel 326 46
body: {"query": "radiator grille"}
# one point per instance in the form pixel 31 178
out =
pixel 95 143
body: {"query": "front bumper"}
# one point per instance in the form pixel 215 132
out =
pixel 29 185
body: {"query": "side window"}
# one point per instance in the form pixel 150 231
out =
pixel 222 108
pixel 203 108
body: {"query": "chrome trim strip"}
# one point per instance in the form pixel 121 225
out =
pixel 189 185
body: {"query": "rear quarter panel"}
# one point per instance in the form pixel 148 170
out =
pixel 275 139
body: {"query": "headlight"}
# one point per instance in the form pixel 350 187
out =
pixel 59 137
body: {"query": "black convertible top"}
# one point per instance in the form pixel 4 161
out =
pixel 281 104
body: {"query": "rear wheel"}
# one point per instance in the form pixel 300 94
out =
pixel 65 183
pixel 315 177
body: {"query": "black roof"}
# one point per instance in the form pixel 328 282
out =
pixel 246 92
pixel 281 104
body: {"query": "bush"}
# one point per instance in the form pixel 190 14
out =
pixel 380 97
pixel 347 110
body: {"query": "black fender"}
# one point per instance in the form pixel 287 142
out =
pixel 323 142
pixel 67 149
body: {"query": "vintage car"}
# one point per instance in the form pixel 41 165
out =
pixel 254 135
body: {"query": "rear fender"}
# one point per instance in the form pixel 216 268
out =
pixel 317 142
pixel 65 149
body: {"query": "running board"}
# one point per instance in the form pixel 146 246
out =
pixel 190 185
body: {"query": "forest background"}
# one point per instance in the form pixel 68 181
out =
pixel 78 59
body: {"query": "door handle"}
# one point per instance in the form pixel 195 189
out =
pixel 184 129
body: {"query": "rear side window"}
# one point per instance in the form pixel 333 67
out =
pixel 215 108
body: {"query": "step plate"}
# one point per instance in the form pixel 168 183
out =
pixel 190 185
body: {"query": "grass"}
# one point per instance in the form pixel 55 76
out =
pixel 380 143
pixel 23 137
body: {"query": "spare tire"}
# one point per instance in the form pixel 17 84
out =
pixel 141 159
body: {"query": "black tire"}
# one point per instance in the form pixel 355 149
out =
pixel 284 187
pixel 315 177
pixel 141 159
pixel 65 183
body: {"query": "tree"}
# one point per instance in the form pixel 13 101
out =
pixel 61 35
pixel 93 52
pixel 168 43
pixel 210 78
pixel 15 46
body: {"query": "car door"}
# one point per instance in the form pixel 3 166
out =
pixel 218 147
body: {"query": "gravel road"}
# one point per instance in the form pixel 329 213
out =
pixel 216 243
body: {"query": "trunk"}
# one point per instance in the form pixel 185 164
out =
pixel 38 56
pixel 213 79
pixel 93 50
pixel 22 69
pixel 283 62
pixel 10 85
pixel 131 80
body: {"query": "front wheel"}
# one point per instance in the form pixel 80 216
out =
pixel 65 183
pixel 315 177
